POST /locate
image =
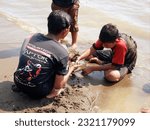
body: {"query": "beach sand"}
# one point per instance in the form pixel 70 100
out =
pixel 82 94
pixel 73 99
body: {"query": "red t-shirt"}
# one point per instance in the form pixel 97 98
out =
pixel 119 51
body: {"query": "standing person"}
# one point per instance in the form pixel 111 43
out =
pixel 116 62
pixel 71 7
pixel 43 64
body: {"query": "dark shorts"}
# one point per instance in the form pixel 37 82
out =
pixel 34 92
pixel 73 12
pixel 106 57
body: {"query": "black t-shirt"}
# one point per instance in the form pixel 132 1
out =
pixel 40 60
pixel 64 3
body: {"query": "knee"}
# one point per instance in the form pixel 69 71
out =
pixel 112 76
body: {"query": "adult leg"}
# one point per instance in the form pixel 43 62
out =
pixel 73 11
pixel 74 36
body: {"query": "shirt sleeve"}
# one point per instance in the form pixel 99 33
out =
pixel 25 42
pixel 62 68
pixel 119 54
pixel 98 45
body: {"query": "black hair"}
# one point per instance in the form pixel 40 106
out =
pixel 109 33
pixel 57 21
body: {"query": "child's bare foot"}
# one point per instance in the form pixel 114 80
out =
pixel 95 60
pixel 90 67
pixel 74 46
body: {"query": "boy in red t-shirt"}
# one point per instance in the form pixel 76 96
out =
pixel 116 61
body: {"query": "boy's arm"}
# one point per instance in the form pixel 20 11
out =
pixel 59 83
pixel 86 54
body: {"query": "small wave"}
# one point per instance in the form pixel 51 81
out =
pixel 132 12
pixel 24 25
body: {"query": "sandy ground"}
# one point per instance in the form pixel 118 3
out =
pixel 82 94
pixel 75 98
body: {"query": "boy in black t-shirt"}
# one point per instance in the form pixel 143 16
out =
pixel 43 64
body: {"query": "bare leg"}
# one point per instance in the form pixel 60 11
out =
pixel 115 75
pixel 74 39
pixel 90 67
pixel 112 75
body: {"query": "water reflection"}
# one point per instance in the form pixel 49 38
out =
pixel 9 53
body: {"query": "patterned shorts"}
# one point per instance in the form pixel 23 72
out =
pixel 73 12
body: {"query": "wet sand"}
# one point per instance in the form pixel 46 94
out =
pixel 73 99
pixel 83 94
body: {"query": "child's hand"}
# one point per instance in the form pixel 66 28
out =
pixel 78 59
pixel 95 60
pixel 74 65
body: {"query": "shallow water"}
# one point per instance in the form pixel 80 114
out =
pixel 132 17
